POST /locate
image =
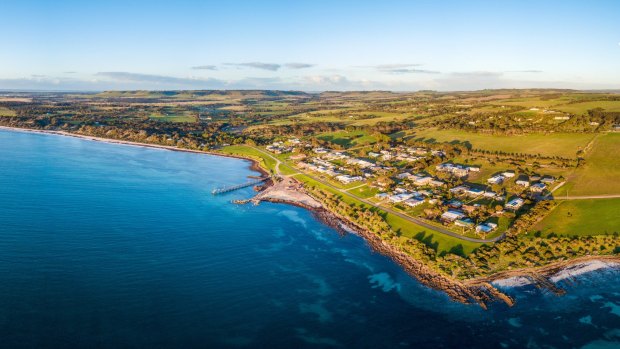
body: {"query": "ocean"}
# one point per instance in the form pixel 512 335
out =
pixel 115 246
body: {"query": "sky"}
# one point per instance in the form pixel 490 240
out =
pixel 309 45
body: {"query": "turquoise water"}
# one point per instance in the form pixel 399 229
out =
pixel 105 245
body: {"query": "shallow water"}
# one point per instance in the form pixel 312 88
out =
pixel 106 245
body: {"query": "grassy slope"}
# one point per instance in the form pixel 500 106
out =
pixel 265 161
pixel 601 172
pixel 562 144
pixel 583 217
pixel 6 112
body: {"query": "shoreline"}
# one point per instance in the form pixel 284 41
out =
pixel 479 290
pixel 255 165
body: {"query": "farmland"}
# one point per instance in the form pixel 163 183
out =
pixel 583 217
pixel 555 144
pixel 601 172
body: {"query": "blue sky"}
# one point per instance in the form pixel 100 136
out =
pixel 309 45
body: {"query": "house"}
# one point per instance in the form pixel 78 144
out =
pixel 538 187
pixel 473 169
pixel 464 222
pixel 452 215
pixel 497 179
pixel 486 227
pixel 436 183
pixel 523 181
pixel 403 175
pixel 470 208
pixel 515 204
pixel 422 180
pixel 321 150
pixel 547 179
pixel 413 202
pixel 474 192
pixel 374 155
pixel 455 204
pixel 489 194
pixel 459 172
pixel 508 174
pixel 400 197
pixel 535 177
pixel 459 189
pixel 346 179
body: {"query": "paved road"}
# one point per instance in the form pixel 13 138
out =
pixel 585 197
pixel 415 220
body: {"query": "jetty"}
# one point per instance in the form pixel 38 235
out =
pixel 228 189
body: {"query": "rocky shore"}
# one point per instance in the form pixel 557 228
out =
pixel 480 290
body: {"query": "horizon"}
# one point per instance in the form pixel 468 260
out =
pixel 310 46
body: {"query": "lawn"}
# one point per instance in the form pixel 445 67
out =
pixel 601 172
pixel 554 144
pixel 266 161
pixel 583 217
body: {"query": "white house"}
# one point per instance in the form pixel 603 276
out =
pixel 413 202
pixel 486 227
pixel 515 204
pixel 497 179
pixel 538 187
pixel 452 215
pixel 523 182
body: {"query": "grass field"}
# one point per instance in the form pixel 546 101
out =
pixel 173 118
pixel 348 139
pixel 601 172
pixel 583 217
pixel 555 144
pixel 6 112
pixel 243 150
pixel 582 108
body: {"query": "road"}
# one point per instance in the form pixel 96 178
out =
pixel 585 197
pixel 415 220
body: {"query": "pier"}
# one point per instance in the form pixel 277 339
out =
pixel 238 186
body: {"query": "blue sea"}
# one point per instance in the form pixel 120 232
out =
pixel 115 246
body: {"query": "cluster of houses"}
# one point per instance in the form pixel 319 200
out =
pixel 284 147
pixel 535 183
pixel 500 177
pixel 456 170
pixel 414 189
pixel 460 219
